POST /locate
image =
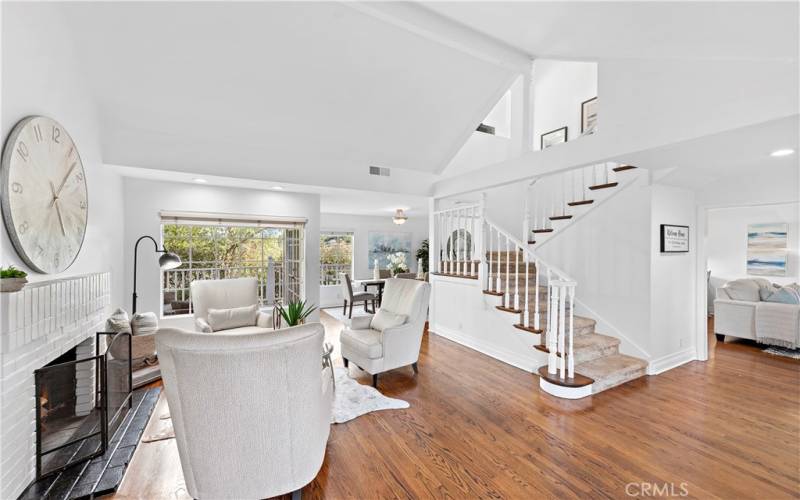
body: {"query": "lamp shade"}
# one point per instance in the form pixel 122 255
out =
pixel 399 216
pixel 169 261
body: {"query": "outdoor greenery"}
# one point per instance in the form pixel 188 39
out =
pixel 295 312
pixel 422 253
pixel 11 272
pixel 335 248
pixel 223 246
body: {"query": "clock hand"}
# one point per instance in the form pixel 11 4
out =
pixel 53 192
pixel 60 220
pixel 64 182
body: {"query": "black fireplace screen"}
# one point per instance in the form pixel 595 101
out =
pixel 80 403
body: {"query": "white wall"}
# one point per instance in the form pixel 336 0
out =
pixel 361 226
pixel 144 199
pixel 726 239
pixel 559 88
pixel 40 77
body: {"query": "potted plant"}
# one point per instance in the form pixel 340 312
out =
pixel 295 313
pixel 397 263
pixel 12 279
pixel 422 253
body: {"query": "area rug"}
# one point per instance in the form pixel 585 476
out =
pixel 336 312
pixel 782 351
pixel 353 399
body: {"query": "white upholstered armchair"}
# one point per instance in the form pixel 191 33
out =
pixel 251 412
pixel 391 338
pixel 229 294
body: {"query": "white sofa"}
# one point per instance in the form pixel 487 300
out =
pixel 376 352
pixel 227 294
pixel 251 411
pixel 740 312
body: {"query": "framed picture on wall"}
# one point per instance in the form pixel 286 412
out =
pixel 553 137
pixel 674 239
pixel 767 246
pixel 589 116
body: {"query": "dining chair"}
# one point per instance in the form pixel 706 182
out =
pixel 349 296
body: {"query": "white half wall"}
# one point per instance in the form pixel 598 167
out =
pixel 361 226
pixel 144 199
pixel 40 77
pixel 726 240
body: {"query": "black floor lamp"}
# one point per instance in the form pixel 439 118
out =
pixel 167 261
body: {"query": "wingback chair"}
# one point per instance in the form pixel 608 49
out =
pixel 227 294
pixel 351 297
pixel 375 348
pixel 251 412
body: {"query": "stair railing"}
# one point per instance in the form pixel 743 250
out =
pixel 458 240
pixel 560 294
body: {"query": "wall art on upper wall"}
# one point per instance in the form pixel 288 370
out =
pixel 553 137
pixel 674 239
pixel 767 249
pixel 381 245
pixel 589 116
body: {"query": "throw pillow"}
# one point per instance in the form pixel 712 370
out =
pixel 744 289
pixel 784 295
pixel 118 322
pixel 144 323
pixel 237 317
pixel 384 319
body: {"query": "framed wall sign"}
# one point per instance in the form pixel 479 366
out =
pixel 674 239
pixel 553 137
pixel 589 116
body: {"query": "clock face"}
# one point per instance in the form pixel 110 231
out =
pixel 45 202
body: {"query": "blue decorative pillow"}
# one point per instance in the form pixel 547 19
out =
pixel 785 295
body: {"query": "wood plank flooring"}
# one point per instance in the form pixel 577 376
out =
pixel 727 428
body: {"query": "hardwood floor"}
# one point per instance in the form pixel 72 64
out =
pixel 726 428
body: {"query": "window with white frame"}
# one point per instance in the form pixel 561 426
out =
pixel 335 256
pixel 219 246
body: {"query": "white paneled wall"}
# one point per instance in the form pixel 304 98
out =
pixel 37 325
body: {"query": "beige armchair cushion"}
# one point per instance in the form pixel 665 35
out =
pixel 235 317
pixel 384 319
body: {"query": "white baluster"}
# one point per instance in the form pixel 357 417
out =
pixel 470 250
pixel 552 357
pixel 507 302
pixel 536 295
pixel 516 277
pixel 561 332
pixel 450 242
pixel 497 287
pixel 605 167
pixel 570 354
pixel 525 316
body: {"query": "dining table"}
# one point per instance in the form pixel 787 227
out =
pixel 366 283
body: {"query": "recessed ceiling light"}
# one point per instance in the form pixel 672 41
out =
pixel 200 181
pixel 277 188
pixel 782 152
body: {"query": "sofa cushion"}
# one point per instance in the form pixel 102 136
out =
pixel 366 342
pixel 784 295
pixel 236 317
pixel 384 319
pixel 746 289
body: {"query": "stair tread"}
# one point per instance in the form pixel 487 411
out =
pixel 623 168
pixel 603 186
pixel 612 370
pixel 580 202
pixel 579 380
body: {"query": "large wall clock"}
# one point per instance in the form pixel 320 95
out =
pixel 45 201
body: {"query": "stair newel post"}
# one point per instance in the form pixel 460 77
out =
pixel 508 272
pixel 570 354
pixel 552 332
pixel 561 328
pixel 536 295
pixel 516 276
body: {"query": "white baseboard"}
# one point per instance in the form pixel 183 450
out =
pixel 670 361
pixel 514 359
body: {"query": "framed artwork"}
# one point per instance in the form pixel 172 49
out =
pixel 381 245
pixel 553 137
pixel 589 116
pixel 674 239
pixel 767 249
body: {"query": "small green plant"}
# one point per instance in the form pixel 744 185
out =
pixel 295 312
pixel 11 272
pixel 422 253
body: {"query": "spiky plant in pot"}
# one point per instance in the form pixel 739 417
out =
pixel 295 312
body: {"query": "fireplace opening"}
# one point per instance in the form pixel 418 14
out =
pixel 75 408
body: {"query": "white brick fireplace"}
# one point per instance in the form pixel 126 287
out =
pixel 37 325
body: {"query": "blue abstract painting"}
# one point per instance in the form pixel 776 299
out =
pixel 767 249
pixel 382 244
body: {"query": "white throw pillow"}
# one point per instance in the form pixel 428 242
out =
pixel 144 323
pixel 384 319
pixel 744 289
pixel 225 319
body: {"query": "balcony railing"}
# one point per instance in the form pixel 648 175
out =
pixel 329 273
pixel 176 284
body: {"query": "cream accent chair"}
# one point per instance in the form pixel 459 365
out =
pixel 377 352
pixel 251 411
pixel 227 294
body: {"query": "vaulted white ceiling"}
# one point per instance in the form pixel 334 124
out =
pixel 712 30
pixel 296 92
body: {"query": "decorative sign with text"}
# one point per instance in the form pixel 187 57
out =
pixel 674 239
